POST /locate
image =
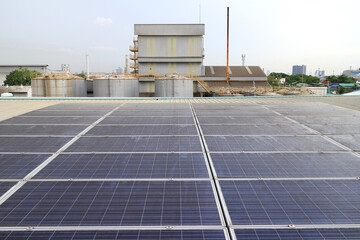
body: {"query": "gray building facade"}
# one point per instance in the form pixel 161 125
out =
pixel 6 69
pixel 170 48
pixel 299 69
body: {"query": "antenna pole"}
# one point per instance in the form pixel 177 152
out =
pixel 227 59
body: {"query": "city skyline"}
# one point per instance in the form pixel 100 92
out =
pixel 272 35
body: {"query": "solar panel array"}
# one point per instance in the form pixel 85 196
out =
pixel 180 171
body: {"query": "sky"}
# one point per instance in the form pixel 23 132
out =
pixel 274 34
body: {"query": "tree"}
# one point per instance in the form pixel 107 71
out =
pixel 299 78
pixel 273 81
pixel 82 75
pixel 278 75
pixel 340 79
pixel 20 77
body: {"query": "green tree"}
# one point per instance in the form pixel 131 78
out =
pixel 278 75
pixel 82 75
pixel 273 81
pixel 20 77
pixel 299 78
pixel 340 79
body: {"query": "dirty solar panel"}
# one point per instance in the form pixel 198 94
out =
pixel 147 120
pixel 41 130
pixel 121 203
pixel 299 234
pixel 19 165
pixel 285 165
pixel 117 235
pixel 293 202
pixel 269 143
pixel 167 165
pixel 50 120
pixel 32 144
pixel 137 144
pixel 148 130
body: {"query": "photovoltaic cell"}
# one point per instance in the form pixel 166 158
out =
pixel 141 203
pixel 137 144
pixel 155 106
pixel 243 120
pixel 144 130
pixel 5 186
pixel 236 113
pixel 298 234
pixel 337 128
pixel 148 120
pixel 32 144
pixel 83 106
pixel 292 202
pixel 117 235
pixel 183 165
pixel 284 129
pixel 285 165
pixel 41 129
pixel 269 143
pixel 145 113
pixel 50 120
pixel 66 113
pixel 19 165
pixel 350 141
pixel 327 120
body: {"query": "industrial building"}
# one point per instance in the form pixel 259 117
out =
pixel 299 69
pixel 169 48
pixel 355 73
pixel 6 69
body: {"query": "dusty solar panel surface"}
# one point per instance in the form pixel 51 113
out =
pixel 181 171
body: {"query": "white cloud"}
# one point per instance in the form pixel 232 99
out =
pixel 102 21
pixel 64 50
pixel 102 48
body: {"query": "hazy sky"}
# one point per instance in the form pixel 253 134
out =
pixel 274 34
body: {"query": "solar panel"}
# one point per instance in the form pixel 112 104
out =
pixel 326 120
pixel 284 129
pixel 143 130
pixel 137 144
pixel 269 143
pixel 117 235
pixel 172 165
pixel 236 113
pixel 32 144
pixel 83 106
pixel 145 113
pixel 5 186
pixel 50 120
pixel 243 120
pixel 350 141
pixel 155 106
pixel 285 165
pixel 142 203
pixel 148 120
pixel 19 165
pixel 66 113
pixel 293 202
pixel 301 234
pixel 336 128
pixel 41 129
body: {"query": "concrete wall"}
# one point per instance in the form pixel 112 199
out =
pixel 170 46
pixel 168 68
pixel 5 70
pixel 169 29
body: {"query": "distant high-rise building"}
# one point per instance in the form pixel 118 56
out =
pixel 319 73
pixel 119 70
pixel 297 69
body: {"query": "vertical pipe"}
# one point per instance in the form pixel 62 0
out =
pixel 87 66
pixel 126 64
pixel 227 58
